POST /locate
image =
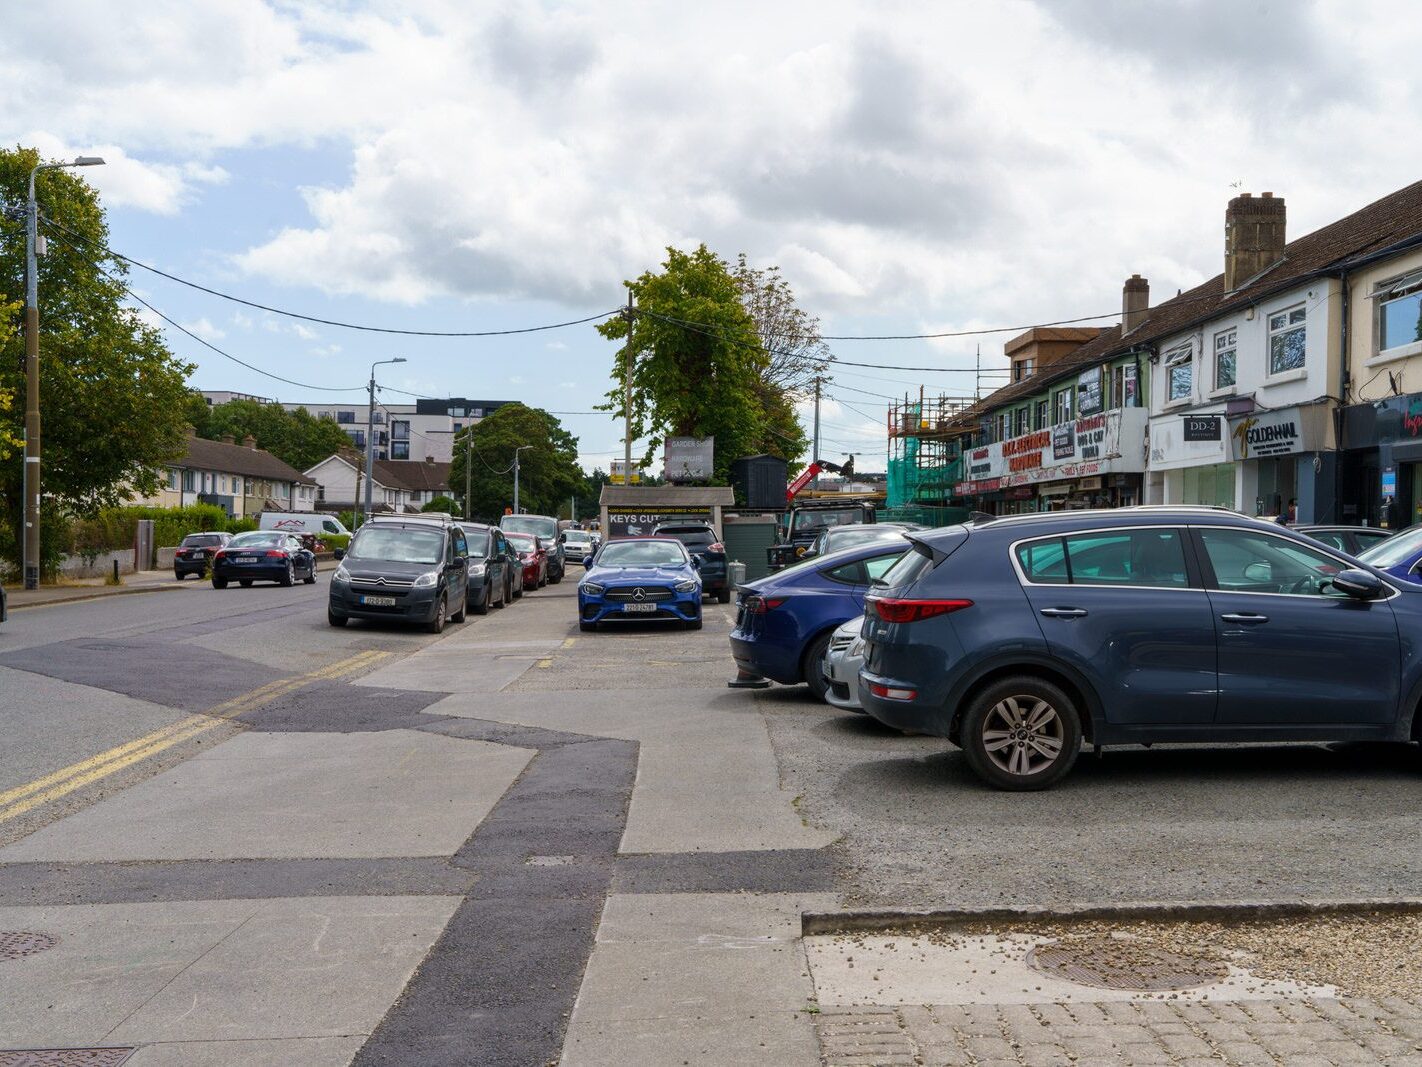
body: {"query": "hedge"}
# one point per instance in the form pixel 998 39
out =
pixel 114 528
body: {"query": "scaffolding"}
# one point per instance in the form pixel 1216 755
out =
pixel 925 453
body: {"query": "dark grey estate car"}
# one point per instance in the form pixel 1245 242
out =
pixel 1019 638
pixel 404 569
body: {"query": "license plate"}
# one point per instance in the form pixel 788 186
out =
pixel 639 607
pixel 246 559
pixel 378 601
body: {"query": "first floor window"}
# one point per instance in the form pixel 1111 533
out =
pixel 1400 313
pixel 1286 339
pixel 1041 414
pixel 1021 420
pixel 1064 406
pixel 1225 349
pixel 1179 374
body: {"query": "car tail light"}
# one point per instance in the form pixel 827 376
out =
pixel 716 547
pixel 902 609
pixel 276 553
pixel 759 605
pixel 219 555
pixel 890 692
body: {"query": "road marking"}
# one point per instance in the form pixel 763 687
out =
pixel 568 642
pixel 544 664
pixel 23 798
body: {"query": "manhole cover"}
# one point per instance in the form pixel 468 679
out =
pixel 1118 963
pixel 17 943
pixel 64 1057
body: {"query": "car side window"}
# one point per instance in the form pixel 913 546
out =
pixel 1044 562
pixel 328 526
pixel 1147 557
pixel 879 566
pixel 1333 539
pixel 461 546
pixel 849 573
pixel 1245 561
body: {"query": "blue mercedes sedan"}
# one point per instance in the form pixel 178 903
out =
pixel 1021 638
pixel 640 578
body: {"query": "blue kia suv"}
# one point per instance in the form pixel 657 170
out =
pixel 640 578
pixel 1019 638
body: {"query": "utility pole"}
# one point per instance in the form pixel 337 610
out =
pixel 815 455
pixel 370 437
pixel 517 450
pixel 31 489
pixel 468 467
pixel 627 394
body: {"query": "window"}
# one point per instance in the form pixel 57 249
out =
pixel 1020 422
pixel 879 566
pixel 1154 558
pixel 379 418
pixel 1248 562
pixel 849 573
pixel 173 477
pixel 1041 422
pixel 400 431
pixel 400 450
pixel 1225 349
pixel 345 416
pixel 1123 386
pixel 1179 374
pixel 1286 340
pixel 1064 406
pixel 1021 369
pixel 236 486
pixel 1400 312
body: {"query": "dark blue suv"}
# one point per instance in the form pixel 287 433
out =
pixel 1019 638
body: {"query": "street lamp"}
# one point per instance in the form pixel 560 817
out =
pixel 370 434
pixel 31 480
pixel 517 450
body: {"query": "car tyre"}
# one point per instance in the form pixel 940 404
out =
pixel 310 578
pixel 245 583
pixel 482 608
pixel 554 579
pixel 503 596
pixel 289 578
pixel 219 583
pixel 180 575
pixel 1021 734
pixel 436 625
pixel 462 613
pixel 814 666
pixel 723 596
pixel 334 619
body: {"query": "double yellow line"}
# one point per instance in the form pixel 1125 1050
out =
pixel 27 797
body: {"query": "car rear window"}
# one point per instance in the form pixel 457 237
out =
pixel 697 537
pixel 911 566
pixel 201 541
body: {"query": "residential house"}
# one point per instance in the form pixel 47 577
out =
pixel 242 479
pixel 398 485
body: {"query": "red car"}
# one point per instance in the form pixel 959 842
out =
pixel 534 556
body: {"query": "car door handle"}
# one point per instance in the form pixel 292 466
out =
pixel 1063 613
pixel 1245 618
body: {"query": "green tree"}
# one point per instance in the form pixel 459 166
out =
pixel 9 441
pixel 112 395
pixel 296 437
pixel 448 505
pixel 548 470
pixel 795 354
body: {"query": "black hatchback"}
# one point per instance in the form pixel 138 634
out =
pixel 194 555
pixel 701 541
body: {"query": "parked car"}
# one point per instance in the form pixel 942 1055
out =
pixel 515 566
pixel 302 522
pixel 403 569
pixel 194 554
pixel 263 556
pixel 1018 638
pixel 842 662
pixel 4 605
pixel 807 519
pixel 641 578
pixel 784 621
pixel 491 574
pixel 1353 540
pixel 532 558
pixel 578 545
pixel 702 542
pixel 546 527
pixel 835 538
pixel 1400 555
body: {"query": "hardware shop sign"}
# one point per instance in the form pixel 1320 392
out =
pixel 1269 433
pixel 641 523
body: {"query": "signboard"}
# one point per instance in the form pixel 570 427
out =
pixel 1088 391
pixel 690 459
pixel 1389 483
pixel 1091 437
pixel 641 523
pixel 1064 441
pixel 615 475
pixel 1110 442
pixel 1269 433
pixel 1202 427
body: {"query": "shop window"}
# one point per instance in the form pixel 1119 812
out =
pixel 1225 350
pixel 1400 312
pixel 1212 485
pixel 1064 406
pixel 1286 340
pixel 1179 374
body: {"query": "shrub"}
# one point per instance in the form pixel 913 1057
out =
pixel 334 541
pixel 448 505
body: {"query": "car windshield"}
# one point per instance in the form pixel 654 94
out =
pixel 258 539
pixel 397 546
pixel 1395 550
pixel 642 554
pixel 819 518
pixel 538 525
pixel 522 542
pixel 201 540
pixel 478 541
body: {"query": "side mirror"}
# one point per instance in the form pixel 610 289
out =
pixel 587 562
pixel 339 553
pixel 1358 584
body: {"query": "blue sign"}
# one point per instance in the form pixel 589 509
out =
pixel 1389 482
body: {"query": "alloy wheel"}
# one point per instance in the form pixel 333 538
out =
pixel 1023 735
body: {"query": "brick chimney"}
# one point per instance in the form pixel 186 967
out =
pixel 1135 302
pixel 1254 237
pixel 227 439
pixel 249 442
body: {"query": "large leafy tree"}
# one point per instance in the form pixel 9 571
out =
pixel 549 474
pixel 795 353
pixel 297 437
pixel 112 395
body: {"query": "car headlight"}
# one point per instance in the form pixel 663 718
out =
pixel 476 570
pixel 591 588
pixel 428 580
pixel 857 649
pixel 342 575
pixel 687 586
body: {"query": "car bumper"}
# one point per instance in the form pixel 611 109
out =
pixel 239 573
pixel 684 607
pixel 914 716
pixel 714 577
pixel 842 673
pixel 765 659
pixel 530 573
pixel 416 605
pixel 191 566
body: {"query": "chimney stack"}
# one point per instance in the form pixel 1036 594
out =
pixel 228 439
pixel 249 442
pixel 1254 237
pixel 1135 303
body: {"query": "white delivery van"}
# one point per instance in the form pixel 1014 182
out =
pixel 302 523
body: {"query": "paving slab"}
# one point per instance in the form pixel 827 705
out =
pixel 779 1038
pixel 288 795
pixel 308 1052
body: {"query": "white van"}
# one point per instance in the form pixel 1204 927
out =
pixel 298 523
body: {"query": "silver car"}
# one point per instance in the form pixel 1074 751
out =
pixel 842 662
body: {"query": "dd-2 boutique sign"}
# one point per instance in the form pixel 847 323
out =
pixel 1270 433
pixel 1202 427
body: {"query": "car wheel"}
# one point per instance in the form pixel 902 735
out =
pixel 245 583
pixel 482 608
pixel 436 625
pixel 289 578
pixel 460 615
pixel 219 583
pixel 518 593
pixel 723 596
pixel 334 619
pixel 504 596
pixel 180 575
pixel 310 578
pixel 554 579
pixel 1021 734
pixel 813 666
pixel 587 627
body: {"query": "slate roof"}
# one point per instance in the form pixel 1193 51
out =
pixel 1375 228
pixel 412 474
pixel 219 456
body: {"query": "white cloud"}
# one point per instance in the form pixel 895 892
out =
pixel 205 329
pixel 126 181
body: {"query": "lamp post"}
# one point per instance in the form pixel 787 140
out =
pixel 31 480
pixel 517 450
pixel 370 434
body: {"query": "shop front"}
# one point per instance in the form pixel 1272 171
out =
pixel 1380 477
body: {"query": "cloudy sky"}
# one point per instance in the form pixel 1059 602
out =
pixel 912 168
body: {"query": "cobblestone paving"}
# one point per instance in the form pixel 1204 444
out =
pixel 1269 1033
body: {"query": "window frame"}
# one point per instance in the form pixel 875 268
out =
pixel 1064 405
pixel 1290 325
pixel 1181 356
pixel 1404 287
pixel 1194 582
pixel 1226 342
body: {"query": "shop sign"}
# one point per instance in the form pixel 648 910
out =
pixel 1202 427
pixel 640 523
pixel 1064 441
pixel 986 485
pixel 1087 484
pixel 1270 433
pixel 1088 391
pixel 980 462
pixel 690 459
pixel 1389 483
pixel 1091 436
pixel 1021 493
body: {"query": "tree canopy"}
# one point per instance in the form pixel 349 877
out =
pixel 549 474
pixel 296 437
pixel 112 396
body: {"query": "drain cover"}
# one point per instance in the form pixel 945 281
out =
pixel 17 943
pixel 64 1057
pixel 1116 963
